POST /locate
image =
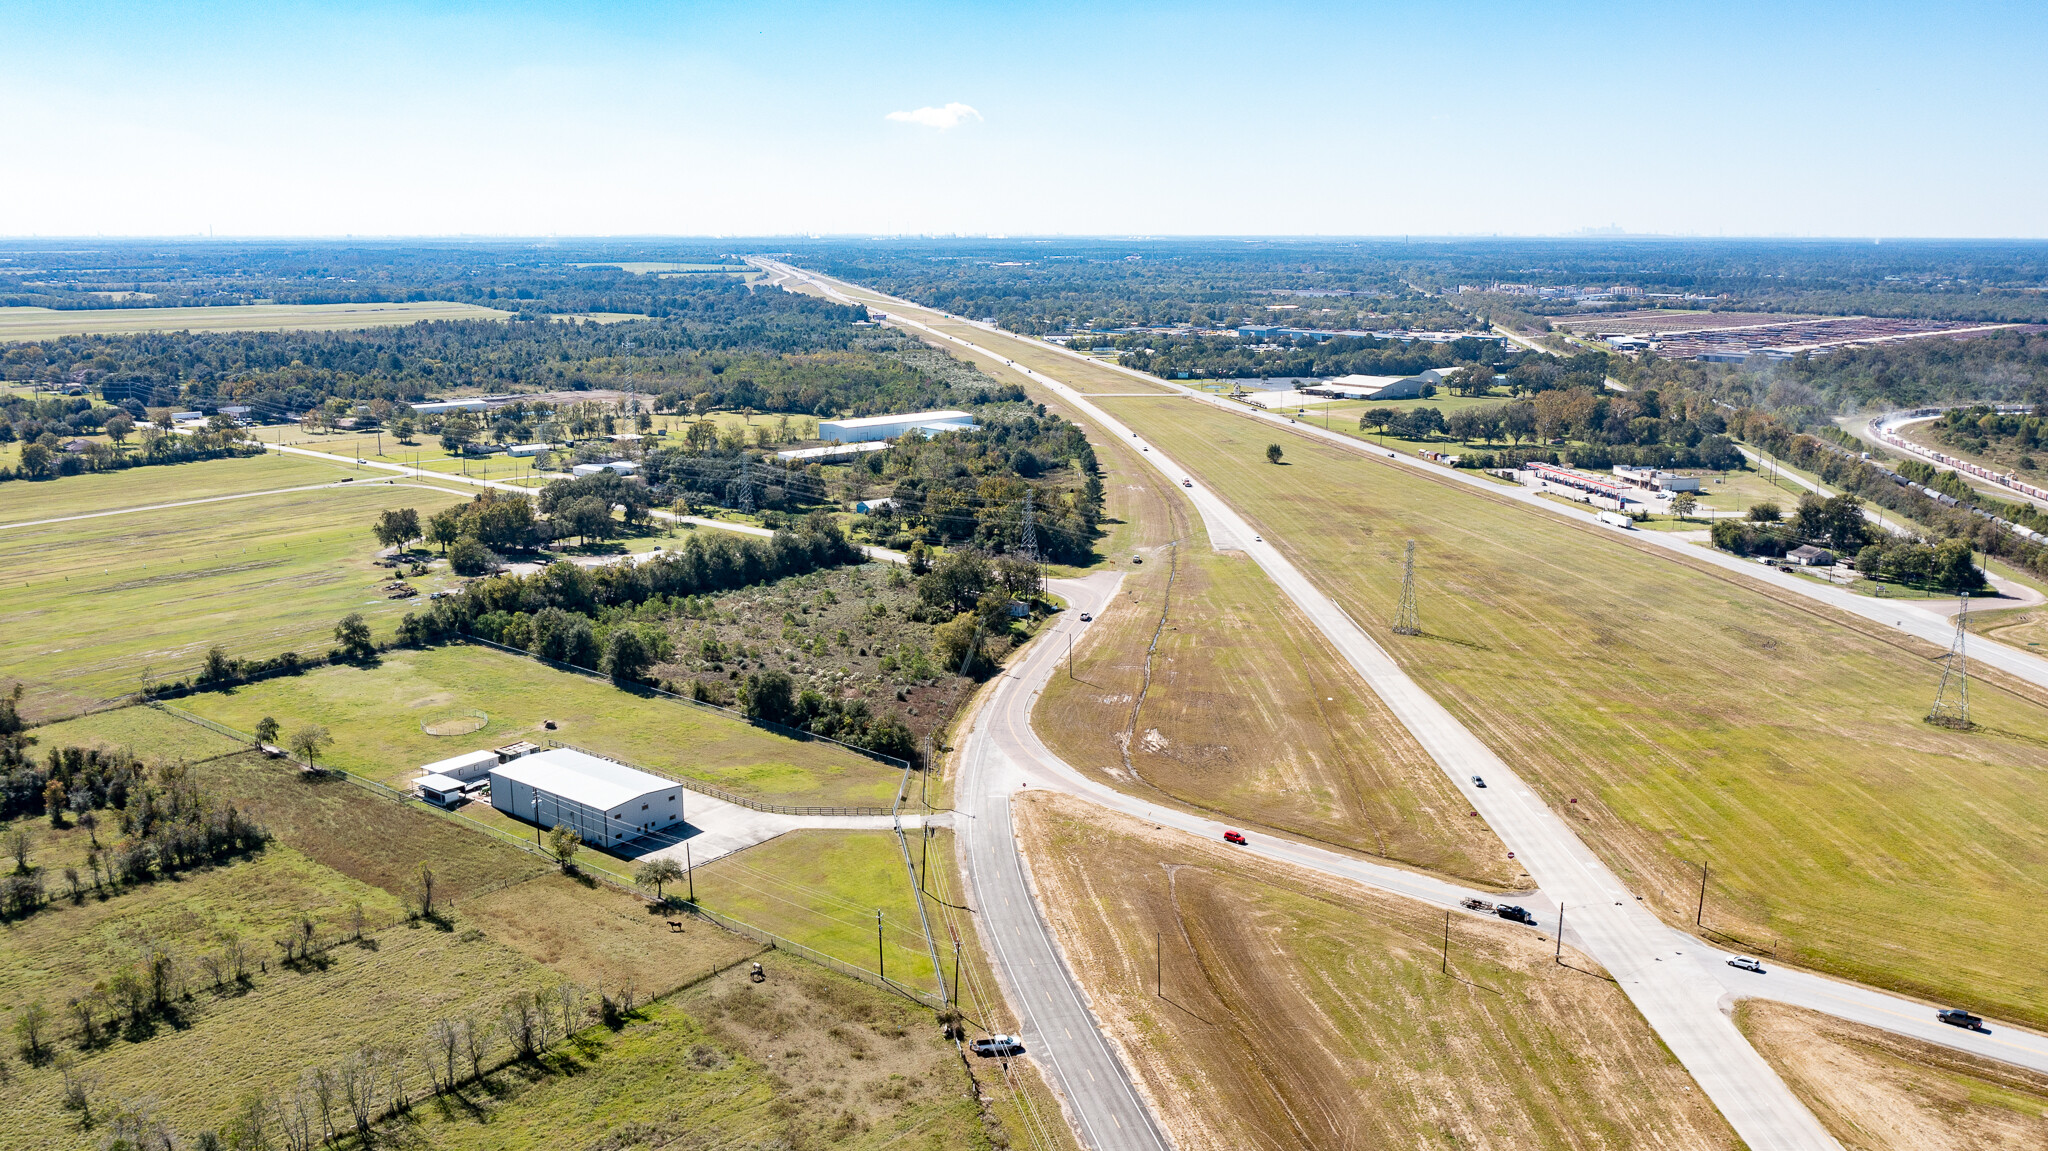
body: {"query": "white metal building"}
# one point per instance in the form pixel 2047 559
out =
pixel 622 467
pixel 607 803
pixel 889 427
pixel 470 765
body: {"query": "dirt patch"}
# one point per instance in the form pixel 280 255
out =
pixel 1262 1007
pixel 1876 1091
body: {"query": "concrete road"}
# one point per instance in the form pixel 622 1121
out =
pixel 1059 1031
pixel 713 828
pixel 1680 1004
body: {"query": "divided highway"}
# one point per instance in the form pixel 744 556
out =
pixel 1679 983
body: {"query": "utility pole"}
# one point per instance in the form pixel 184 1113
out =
pixel 689 872
pixel 956 971
pixel 1406 621
pixel 1558 955
pixel 1952 701
pixel 1158 963
pixel 881 962
pixel 746 484
pixel 1699 916
pixel 1447 943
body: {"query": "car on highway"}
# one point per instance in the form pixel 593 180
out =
pixel 1957 1017
pixel 1517 914
pixel 1186 483
pixel 1236 837
pixel 997 1045
pixel 1258 539
pixel 1745 963
pixel 1085 617
pixel 1478 782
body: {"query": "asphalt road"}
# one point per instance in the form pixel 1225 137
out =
pixel 1059 1032
pixel 1679 983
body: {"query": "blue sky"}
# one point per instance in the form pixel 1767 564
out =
pixel 1377 119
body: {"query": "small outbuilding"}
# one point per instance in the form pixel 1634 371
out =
pixel 606 802
pixel 441 789
pixel 1810 556
pixel 464 768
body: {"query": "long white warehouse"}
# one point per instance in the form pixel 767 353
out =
pixel 889 427
pixel 607 803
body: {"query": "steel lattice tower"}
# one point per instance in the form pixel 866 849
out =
pixel 746 483
pixel 1029 543
pixel 1952 702
pixel 1406 621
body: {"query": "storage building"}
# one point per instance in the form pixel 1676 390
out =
pixel 469 766
pixel 890 427
pixel 606 802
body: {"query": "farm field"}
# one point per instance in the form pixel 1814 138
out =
pixel 159 483
pixel 93 606
pixel 375 716
pixel 1289 1012
pixel 822 889
pixel 45 323
pixel 1692 715
pixel 1876 1091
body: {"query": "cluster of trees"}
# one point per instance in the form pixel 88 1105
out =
pixel 772 696
pixel 551 613
pixel 1226 357
pixel 1947 566
pixel 166 826
pixel 1836 523
pixel 47 456
pixel 1975 429
pixel 968 488
pixel 1603 428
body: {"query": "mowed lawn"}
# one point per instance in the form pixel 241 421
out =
pixel 375 716
pixel 822 889
pixel 1691 715
pixel 92 605
pixel 46 323
pixel 1265 1009
pixel 85 494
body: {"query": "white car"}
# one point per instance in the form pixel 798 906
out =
pixel 1745 963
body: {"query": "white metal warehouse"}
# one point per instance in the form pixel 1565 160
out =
pixel 607 803
pixel 869 428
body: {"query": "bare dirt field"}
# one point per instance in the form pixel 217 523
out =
pixel 1293 1013
pixel 1880 1092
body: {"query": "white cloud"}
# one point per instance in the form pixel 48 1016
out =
pixel 940 118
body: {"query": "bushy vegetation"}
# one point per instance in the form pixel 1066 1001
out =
pixel 51 447
pixel 1226 356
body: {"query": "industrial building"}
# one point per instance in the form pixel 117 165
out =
pixel 606 802
pixel 1655 480
pixel 622 467
pixel 889 427
pixel 446 781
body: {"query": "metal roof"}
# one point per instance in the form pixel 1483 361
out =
pixel 454 765
pixel 585 779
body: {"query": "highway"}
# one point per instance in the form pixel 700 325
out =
pixel 1680 984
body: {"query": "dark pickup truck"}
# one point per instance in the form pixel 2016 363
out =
pixel 1957 1017
pixel 1518 914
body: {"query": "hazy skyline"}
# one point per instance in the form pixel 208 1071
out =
pixel 639 118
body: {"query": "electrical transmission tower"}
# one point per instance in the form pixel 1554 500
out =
pixel 746 484
pixel 1029 543
pixel 1406 621
pixel 1952 702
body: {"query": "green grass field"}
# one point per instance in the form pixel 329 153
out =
pixel 18 324
pixel 21 500
pixel 1692 715
pixel 92 605
pixel 375 714
pixel 822 889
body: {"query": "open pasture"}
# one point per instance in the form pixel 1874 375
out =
pixel 1692 715
pixel 17 324
pixel 95 606
pixel 1267 1008
pixel 375 716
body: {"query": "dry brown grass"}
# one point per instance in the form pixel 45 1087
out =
pixel 1293 1012
pixel 599 936
pixel 1876 1091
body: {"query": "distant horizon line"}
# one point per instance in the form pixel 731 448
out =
pixel 989 237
